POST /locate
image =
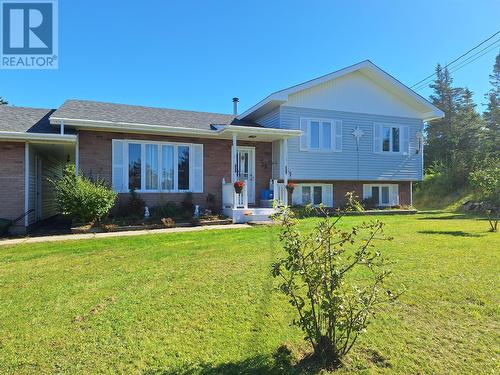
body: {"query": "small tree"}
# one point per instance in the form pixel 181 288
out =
pixel 352 202
pixel 334 303
pixel 81 198
pixel 486 183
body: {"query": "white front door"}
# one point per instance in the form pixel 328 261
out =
pixel 245 169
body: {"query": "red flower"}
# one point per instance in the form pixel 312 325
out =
pixel 239 185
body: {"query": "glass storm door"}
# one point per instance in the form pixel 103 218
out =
pixel 245 167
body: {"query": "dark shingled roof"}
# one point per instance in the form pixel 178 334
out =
pixel 99 111
pixel 23 119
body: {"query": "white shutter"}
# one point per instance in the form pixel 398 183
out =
pixel 337 144
pixel 394 195
pixel 377 138
pixel 118 165
pixel 304 138
pixel 197 168
pixel 297 195
pixel 406 140
pixel 367 191
pixel 327 195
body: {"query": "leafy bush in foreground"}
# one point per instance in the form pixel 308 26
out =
pixel 486 184
pixel 81 198
pixel 317 274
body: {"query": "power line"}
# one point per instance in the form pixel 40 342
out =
pixel 463 63
pixel 454 69
pixel 458 58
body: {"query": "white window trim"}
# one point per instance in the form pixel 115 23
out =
pixel 333 130
pixel 380 186
pixel 143 144
pixel 312 185
pixel 401 140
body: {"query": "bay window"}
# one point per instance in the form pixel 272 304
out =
pixel 157 166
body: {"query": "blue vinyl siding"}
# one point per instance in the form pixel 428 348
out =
pixel 344 165
pixel 271 119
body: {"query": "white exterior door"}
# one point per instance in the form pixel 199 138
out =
pixel 245 169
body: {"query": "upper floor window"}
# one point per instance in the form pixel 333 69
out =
pixel 157 166
pixel 388 138
pixel 323 135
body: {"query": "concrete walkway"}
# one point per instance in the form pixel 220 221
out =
pixel 86 236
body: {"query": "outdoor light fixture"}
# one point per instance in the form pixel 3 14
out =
pixel 420 142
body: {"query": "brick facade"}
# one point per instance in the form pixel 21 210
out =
pixel 12 182
pixel 340 188
pixel 95 160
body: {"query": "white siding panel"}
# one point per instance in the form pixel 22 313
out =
pixel 353 92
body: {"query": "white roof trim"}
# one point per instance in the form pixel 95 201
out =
pixel 41 137
pixel 282 96
pixel 220 132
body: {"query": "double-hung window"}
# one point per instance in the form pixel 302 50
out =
pixel 391 139
pixel 321 135
pixel 157 166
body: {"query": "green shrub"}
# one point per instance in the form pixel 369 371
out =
pixel 169 209
pixel 81 198
pixel 319 274
pixel 212 203
pixel 132 206
pixel 486 184
pixel 188 205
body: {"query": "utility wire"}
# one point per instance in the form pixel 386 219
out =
pixel 458 58
pixel 463 63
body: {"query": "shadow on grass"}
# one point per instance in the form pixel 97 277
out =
pixel 254 365
pixel 455 233
pixel 447 217
pixel 258 365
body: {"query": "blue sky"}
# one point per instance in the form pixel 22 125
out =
pixel 199 54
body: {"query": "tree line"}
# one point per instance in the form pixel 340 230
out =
pixel 464 140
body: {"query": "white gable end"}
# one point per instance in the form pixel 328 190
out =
pixel 354 92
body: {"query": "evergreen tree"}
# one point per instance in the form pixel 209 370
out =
pixel 453 141
pixel 2 101
pixel 492 113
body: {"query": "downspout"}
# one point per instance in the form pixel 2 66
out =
pixel 26 181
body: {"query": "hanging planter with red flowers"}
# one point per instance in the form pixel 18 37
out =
pixel 290 187
pixel 238 186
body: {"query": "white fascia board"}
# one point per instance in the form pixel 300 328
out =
pixel 284 133
pixel 223 131
pixel 115 126
pixel 282 95
pixel 39 137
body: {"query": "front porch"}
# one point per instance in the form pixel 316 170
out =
pixel 235 205
pixel 250 205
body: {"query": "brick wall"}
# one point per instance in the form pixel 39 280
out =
pixel 95 160
pixel 12 182
pixel 340 188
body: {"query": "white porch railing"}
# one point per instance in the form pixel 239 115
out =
pixel 231 199
pixel 280 192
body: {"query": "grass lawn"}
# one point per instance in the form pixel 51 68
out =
pixel 204 302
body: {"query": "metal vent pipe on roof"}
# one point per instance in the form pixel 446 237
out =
pixel 235 106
